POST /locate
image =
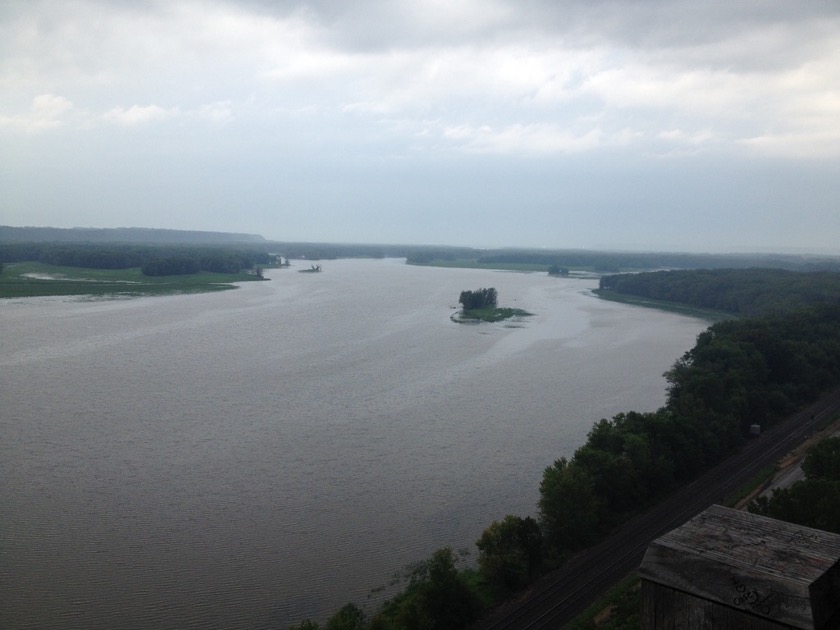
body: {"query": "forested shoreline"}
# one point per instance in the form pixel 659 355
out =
pixel 613 262
pixel 742 292
pixel 152 259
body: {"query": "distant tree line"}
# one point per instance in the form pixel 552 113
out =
pixel 219 262
pixel 153 260
pixel 140 236
pixel 419 254
pixel 743 292
pixel 606 262
pixel 740 372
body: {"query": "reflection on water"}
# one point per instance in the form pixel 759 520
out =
pixel 252 457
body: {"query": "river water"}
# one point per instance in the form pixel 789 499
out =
pixel 249 458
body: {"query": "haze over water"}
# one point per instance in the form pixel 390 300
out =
pixel 253 457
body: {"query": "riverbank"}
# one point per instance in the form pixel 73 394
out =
pixel 32 279
pixel 492 314
pixel 470 263
pixel 672 307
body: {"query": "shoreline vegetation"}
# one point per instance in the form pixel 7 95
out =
pixel 481 306
pixel 662 305
pixel 123 269
pixel 488 314
pixel 34 279
pixel 523 267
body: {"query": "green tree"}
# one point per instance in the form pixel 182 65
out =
pixel 614 479
pixel 482 298
pixel 823 460
pixel 306 624
pixel 811 503
pixel 437 597
pixel 510 553
pixel 349 617
pixel 557 270
pixel 570 509
pixel 814 502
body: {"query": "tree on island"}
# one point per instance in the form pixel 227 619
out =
pixel 482 298
pixel 557 270
pixel 481 306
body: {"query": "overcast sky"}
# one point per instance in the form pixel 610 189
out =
pixel 678 125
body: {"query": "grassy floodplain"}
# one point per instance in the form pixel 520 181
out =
pixel 31 279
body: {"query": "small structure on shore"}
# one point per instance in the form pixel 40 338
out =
pixel 728 569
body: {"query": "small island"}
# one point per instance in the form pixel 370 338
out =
pixel 312 269
pixel 481 306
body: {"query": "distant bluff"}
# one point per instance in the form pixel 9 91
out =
pixel 10 234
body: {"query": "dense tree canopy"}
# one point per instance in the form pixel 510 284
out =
pixel 482 298
pixel 348 617
pixel 437 598
pixel 740 372
pixel 823 460
pixel 744 292
pixel 154 260
pixel 610 262
pixel 814 502
pixel 510 553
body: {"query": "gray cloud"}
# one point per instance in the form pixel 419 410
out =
pixel 326 118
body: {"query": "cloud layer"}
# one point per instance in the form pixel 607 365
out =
pixel 380 82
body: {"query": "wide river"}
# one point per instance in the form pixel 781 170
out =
pixel 249 458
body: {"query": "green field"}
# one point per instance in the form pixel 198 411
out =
pixel 32 279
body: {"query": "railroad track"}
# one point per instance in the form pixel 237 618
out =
pixel 564 594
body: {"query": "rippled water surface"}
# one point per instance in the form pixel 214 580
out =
pixel 253 457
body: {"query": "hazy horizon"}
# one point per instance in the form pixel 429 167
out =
pixel 363 243
pixel 647 126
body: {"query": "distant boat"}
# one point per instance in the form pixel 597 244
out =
pixel 312 269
